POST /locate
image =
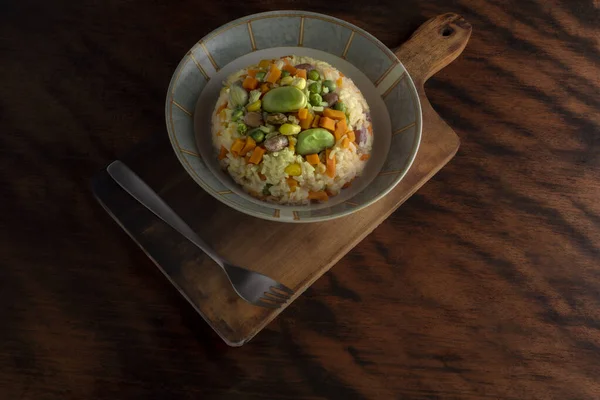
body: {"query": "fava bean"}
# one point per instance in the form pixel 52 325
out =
pixel 283 99
pixel 312 141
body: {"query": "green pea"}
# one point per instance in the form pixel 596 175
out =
pixel 242 128
pixel 260 76
pixel 314 75
pixel 329 84
pixel 258 135
pixel 340 106
pixel 237 115
pixel 284 74
pixel 316 99
pixel 283 99
pixel 312 141
pixel 315 87
pixel 289 129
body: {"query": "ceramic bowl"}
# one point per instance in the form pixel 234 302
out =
pixel 383 80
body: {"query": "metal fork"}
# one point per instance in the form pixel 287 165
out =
pixel 254 287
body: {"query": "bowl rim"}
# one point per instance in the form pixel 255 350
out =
pixel 271 217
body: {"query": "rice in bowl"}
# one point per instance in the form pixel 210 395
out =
pixel 292 130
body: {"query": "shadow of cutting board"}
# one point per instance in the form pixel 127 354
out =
pixel 294 254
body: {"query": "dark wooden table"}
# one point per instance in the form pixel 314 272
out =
pixel 485 284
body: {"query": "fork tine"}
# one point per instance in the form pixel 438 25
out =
pixel 276 296
pixel 265 304
pixel 283 288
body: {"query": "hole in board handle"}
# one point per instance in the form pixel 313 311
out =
pixel 447 31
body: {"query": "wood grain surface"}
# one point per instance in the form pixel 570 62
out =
pixel 294 254
pixel 485 284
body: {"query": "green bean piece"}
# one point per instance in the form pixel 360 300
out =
pixel 267 189
pixel 283 74
pixel 260 76
pixel 314 75
pixel 237 115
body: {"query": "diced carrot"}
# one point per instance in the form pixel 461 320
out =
pixel 250 83
pixel 320 195
pixel 315 123
pixel 250 145
pixel 252 72
pixel 223 153
pixel 301 73
pixel 330 164
pixel 313 159
pixel 365 157
pixel 306 123
pixel 303 113
pixel 264 63
pixel 264 88
pixel 290 68
pixel 351 136
pixel 339 82
pixel 347 185
pixel 262 177
pixel 221 107
pixel 342 75
pixel 257 155
pixel 327 123
pixel 237 146
pixel 273 74
pixel 292 183
pixel 330 193
pixel 345 143
pixel 340 129
pixel 334 114
pixel 370 129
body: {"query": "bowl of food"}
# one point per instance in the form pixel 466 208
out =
pixel 293 116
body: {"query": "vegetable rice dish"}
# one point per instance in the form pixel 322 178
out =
pixel 292 130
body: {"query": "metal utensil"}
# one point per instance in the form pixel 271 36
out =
pixel 254 287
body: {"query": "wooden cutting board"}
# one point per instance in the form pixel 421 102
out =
pixel 294 254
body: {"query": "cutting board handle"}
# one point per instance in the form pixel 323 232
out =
pixel 434 45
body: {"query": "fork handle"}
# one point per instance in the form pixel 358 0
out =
pixel 139 190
